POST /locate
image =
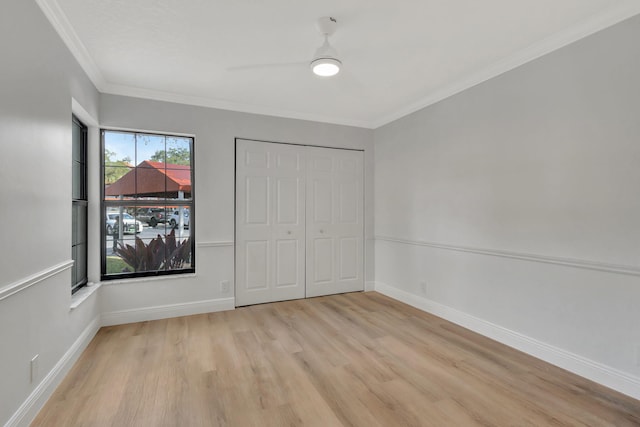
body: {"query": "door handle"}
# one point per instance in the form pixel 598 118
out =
pixel 289 232
pixel 321 231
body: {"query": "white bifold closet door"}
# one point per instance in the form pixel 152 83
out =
pixel 335 226
pixel 299 221
pixel 270 222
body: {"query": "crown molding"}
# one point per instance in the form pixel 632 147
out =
pixel 559 40
pixel 199 101
pixel 61 24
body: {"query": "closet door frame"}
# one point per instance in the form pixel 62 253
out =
pixel 362 245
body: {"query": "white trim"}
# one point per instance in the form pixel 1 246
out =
pixel 153 131
pixel 134 280
pixel 63 27
pixel 85 117
pixel 369 286
pixel 598 372
pixel 568 262
pixel 34 279
pixel 158 95
pixel 534 51
pixel 83 294
pixel 39 396
pixel 167 311
pixel 214 244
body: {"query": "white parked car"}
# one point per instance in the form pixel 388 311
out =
pixel 131 225
pixel 175 218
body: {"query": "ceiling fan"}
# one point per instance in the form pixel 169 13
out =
pixel 325 62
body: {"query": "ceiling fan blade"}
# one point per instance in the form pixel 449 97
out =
pixel 348 80
pixel 249 67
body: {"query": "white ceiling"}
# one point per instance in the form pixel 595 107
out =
pixel 398 56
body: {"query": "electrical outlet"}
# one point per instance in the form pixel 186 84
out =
pixel 423 288
pixel 34 368
pixel 224 286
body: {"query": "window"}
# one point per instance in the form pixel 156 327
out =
pixel 147 204
pixel 78 204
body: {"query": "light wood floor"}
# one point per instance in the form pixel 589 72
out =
pixel 357 359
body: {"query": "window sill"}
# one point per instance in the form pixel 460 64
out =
pixel 148 279
pixel 83 294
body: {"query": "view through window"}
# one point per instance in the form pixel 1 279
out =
pixel 147 204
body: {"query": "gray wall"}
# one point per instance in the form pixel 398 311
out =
pixel 215 132
pixel 542 160
pixel 38 78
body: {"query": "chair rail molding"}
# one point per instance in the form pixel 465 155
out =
pixel 34 279
pixel 568 262
pixel 215 244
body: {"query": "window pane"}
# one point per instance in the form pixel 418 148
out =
pixel 74 269
pixel 77 175
pixel 178 151
pixel 74 224
pixel 178 251
pixel 119 181
pixel 81 262
pixel 119 149
pixel 81 223
pixel 77 138
pixel 151 183
pixel 116 265
pixel 150 148
pixel 178 182
pixel 121 221
pixel 154 249
pixel 174 217
pixel 152 216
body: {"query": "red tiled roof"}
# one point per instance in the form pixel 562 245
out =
pixel 152 179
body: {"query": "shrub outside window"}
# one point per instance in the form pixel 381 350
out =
pixel 147 204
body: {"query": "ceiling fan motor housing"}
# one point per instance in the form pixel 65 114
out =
pixel 327 25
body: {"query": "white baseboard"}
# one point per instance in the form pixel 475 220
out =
pixel 594 371
pixel 369 286
pixel 166 311
pixel 36 400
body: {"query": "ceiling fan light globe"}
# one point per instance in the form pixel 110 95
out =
pixel 325 67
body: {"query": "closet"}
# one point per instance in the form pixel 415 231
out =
pixel 299 221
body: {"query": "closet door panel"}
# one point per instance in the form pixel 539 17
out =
pixel 335 228
pixel 270 222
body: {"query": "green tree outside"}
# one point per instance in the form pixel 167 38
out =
pixel 114 169
pixel 174 155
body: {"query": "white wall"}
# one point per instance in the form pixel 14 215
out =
pixel 215 132
pixel 540 163
pixel 38 79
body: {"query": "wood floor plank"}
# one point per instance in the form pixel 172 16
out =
pixel 358 359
